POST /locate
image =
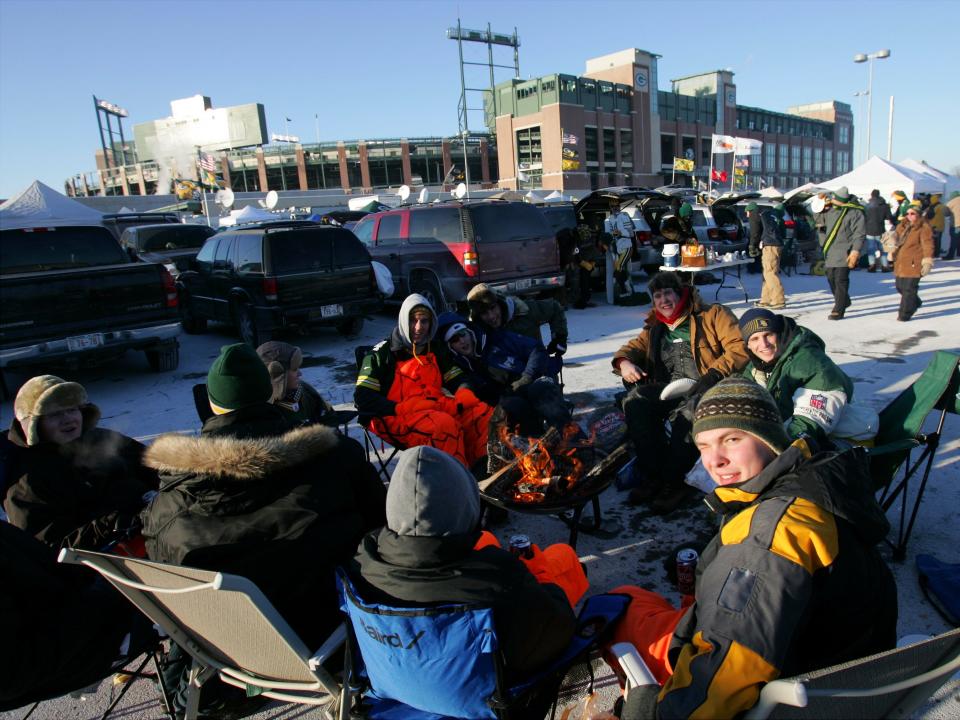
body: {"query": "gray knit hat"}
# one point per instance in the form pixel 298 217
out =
pixel 431 494
pixel 48 394
pixel 739 403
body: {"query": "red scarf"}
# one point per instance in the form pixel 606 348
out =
pixel 680 312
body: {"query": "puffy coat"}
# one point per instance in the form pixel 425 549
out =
pixel 849 236
pixel 534 622
pixel 281 507
pixel 715 340
pixel 525 316
pixel 809 388
pixel 791 583
pixel 875 213
pixel 916 243
pixel 83 494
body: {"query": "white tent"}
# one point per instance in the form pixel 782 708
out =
pixel 557 196
pixel 42 206
pixel 248 214
pixel 771 192
pixel 951 183
pixel 885 176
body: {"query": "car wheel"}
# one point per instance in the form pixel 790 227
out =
pixel 247 326
pixel 431 291
pixel 191 324
pixel 164 359
pixel 350 327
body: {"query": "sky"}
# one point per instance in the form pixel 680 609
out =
pixel 386 69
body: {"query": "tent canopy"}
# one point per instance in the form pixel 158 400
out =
pixel 42 206
pixel 771 192
pixel 885 176
pixel 248 214
pixel 951 183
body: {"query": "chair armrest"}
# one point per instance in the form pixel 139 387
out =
pixel 336 640
pixel 633 666
pixel 778 692
pixel 895 446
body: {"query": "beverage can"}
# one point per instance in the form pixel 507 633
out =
pixel 686 571
pixel 520 546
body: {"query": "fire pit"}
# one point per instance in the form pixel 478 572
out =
pixel 556 474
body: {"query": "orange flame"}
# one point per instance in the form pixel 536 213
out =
pixel 540 467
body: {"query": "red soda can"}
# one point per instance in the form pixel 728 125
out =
pixel 687 571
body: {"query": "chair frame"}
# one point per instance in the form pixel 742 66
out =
pixel 205 664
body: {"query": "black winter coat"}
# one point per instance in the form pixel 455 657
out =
pixel 534 622
pixel 875 212
pixel 84 494
pixel 280 507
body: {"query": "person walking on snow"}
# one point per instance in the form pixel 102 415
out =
pixel 912 259
pixel 844 233
pixel 766 240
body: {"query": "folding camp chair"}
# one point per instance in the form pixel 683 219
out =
pixel 443 661
pixel 228 627
pixel 901 430
pixel 890 684
pixel 370 440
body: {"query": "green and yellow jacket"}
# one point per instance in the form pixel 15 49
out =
pixel 792 582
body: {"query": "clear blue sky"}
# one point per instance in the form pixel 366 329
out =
pixel 386 69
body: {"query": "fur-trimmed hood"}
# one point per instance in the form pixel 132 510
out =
pixel 240 459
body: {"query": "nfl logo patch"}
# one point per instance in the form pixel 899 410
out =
pixel 818 402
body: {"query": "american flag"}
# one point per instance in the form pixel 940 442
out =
pixel 569 139
pixel 743 162
pixel 208 162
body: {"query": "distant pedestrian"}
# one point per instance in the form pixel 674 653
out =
pixel 620 226
pixel 912 259
pixel 876 214
pixel 766 240
pixel 841 243
pixel 934 215
pixel 954 207
pixel 902 203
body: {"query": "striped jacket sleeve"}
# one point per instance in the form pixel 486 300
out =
pixel 370 393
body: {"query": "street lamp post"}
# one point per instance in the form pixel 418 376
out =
pixel 860 94
pixel 869 58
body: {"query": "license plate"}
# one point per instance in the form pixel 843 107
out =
pixel 524 284
pixel 329 311
pixel 85 342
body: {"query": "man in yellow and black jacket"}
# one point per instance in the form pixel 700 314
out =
pixel 792 582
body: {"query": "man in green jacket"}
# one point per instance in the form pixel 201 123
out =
pixel 523 316
pixel 841 242
pixel 790 361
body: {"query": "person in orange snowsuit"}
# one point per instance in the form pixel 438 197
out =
pixel 411 392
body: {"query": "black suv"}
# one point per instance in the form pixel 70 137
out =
pixel 442 250
pixel 116 223
pixel 293 275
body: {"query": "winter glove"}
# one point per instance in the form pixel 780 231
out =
pixel 926 265
pixel 465 398
pixel 415 404
pixel 710 378
pixel 557 347
pixel 852 259
pixel 521 382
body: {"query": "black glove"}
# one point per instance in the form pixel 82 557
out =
pixel 710 378
pixel 557 347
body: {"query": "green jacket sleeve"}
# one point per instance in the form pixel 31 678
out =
pixel 373 383
pixel 550 311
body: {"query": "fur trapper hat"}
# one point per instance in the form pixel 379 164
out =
pixel 47 394
pixel 480 298
pixel 280 357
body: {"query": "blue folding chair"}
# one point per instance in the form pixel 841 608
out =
pixel 442 661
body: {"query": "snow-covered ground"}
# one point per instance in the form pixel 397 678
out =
pixel 882 355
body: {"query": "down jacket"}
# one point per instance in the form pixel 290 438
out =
pixel 280 507
pixel 810 390
pixel 793 582
pixel 714 336
pixel 915 243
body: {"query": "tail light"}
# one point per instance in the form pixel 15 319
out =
pixel 270 289
pixel 471 263
pixel 467 256
pixel 169 288
pixel 643 237
pixel 713 233
pixel 732 234
pixel 789 223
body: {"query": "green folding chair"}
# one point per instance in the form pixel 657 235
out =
pixel 901 432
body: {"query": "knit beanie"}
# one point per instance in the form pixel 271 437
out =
pixel 279 357
pixel 741 404
pixel 757 320
pixel 686 210
pixel 752 207
pixel 900 195
pixel 45 395
pixel 432 495
pixel 237 378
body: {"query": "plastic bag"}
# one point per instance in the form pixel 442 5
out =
pixel 384 278
pixel 589 709
pixel 699 478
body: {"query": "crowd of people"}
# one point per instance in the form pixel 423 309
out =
pixel 271 488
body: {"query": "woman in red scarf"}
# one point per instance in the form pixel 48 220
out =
pixel 683 337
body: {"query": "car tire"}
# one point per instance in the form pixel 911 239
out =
pixel 350 327
pixel 431 291
pixel 191 324
pixel 247 328
pixel 164 358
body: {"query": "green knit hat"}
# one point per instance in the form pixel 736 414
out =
pixel 752 207
pixel 736 402
pixel 686 210
pixel 237 378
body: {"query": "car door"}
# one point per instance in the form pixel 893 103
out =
pixel 389 251
pixel 222 276
pixel 196 280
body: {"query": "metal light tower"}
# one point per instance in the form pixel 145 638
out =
pixel 869 58
pixel 860 94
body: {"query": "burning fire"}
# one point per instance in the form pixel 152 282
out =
pixel 543 470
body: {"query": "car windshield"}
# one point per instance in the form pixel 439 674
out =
pixel 506 222
pixel 175 237
pixel 31 250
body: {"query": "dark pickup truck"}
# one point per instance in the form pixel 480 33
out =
pixel 70 294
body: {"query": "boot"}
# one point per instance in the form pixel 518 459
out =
pixel 670 497
pixel 872 269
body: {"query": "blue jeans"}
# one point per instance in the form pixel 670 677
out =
pixel 872 248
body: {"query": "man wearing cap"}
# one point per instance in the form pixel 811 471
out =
pixel 412 393
pixel 256 496
pixel 791 362
pixel 902 203
pixel 525 316
pixel 426 555
pixel 793 581
pixel 620 226
pixel 766 241
pixel 841 242
pixel 683 338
